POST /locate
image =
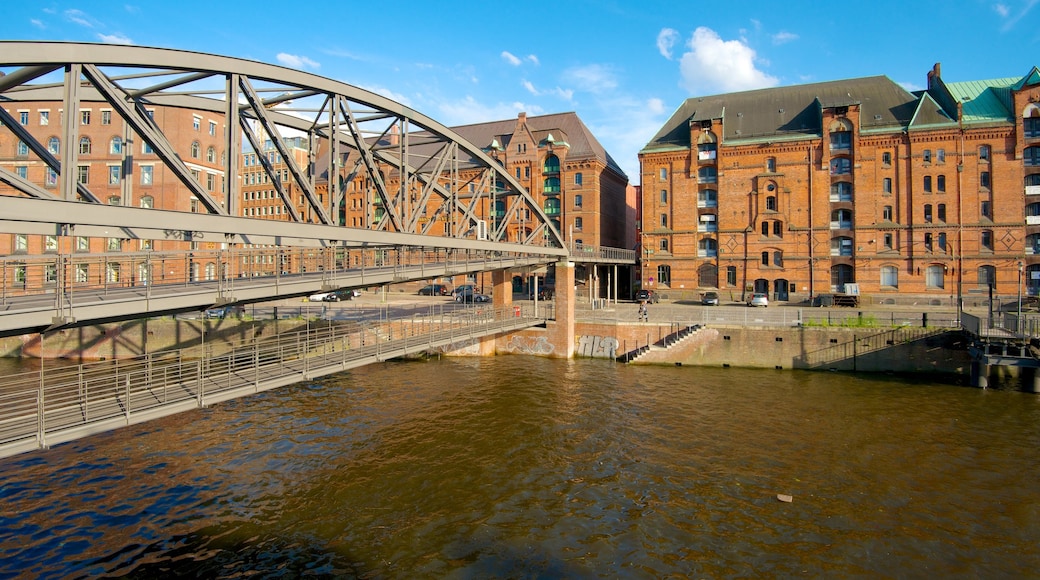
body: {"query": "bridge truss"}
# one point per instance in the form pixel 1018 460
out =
pixel 419 183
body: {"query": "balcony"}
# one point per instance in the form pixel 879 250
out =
pixel 707 227
pixel 551 190
pixel 707 253
pixel 1033 190
pixel 551 170
pixel 844 225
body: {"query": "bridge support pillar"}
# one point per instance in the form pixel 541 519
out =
pixel 562 330
pixel 501 288
pixel 979 374
pixel 1033 386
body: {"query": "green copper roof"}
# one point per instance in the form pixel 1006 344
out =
pixel 984 101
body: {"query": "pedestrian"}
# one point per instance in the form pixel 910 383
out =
pixel 644 315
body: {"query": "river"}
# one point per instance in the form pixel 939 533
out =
pixel 520 467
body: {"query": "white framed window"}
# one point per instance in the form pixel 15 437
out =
pixel 45 118
pixel 147 174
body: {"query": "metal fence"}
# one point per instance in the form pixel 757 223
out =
pixel 59 402
pixel 745 316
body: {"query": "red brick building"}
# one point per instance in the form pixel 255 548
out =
pixel 847 186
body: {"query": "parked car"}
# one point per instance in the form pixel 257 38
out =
pixel 318 297
pixel 434 290
pixel 469 297
pixel 220 312
pixel 710 298
pixel 342 294
pixel 647 296
pixel 758 299
pixel 464 289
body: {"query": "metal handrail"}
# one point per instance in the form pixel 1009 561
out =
pixel 60 403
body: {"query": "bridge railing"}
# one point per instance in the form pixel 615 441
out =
pixel 34 275
pixel 601 253
pixel 60 402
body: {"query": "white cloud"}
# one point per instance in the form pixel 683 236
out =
pixel 655 106
pixel 784 37
pixel 532 58
pixel 37 23
pixel 114 39
pixel 468 111
pixel 79 17
pixel 713 64
pixel 385 92
pixel 296 61
pixel 509 58
pixel 1011 20
pixel 593 78
pixel 666 39
pixel 565 94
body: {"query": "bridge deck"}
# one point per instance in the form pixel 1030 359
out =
pixel 44 408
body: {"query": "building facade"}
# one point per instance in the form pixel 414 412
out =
pixel 854 186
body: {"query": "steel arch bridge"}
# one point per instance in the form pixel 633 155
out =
pixel 408 161
pixel 420 185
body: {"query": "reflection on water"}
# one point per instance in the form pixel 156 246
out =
pixel 528 467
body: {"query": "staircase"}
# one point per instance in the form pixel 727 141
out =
pixel 665 343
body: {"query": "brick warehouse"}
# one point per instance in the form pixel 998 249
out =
pixel 853 186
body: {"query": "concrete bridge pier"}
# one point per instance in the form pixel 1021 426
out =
pixel 979 374
pixel 1032 385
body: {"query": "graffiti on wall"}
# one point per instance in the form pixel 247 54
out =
pixel 528 345
pixel 597 346
pixel 467 347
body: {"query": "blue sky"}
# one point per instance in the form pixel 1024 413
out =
pixel 624 67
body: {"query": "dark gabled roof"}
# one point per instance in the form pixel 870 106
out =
pixel 790 112
pixel 566 128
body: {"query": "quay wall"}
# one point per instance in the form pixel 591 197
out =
pixel 905 350
pixel 902 350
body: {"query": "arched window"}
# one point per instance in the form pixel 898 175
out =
pixel 841 140
pixel 707 175
pixel 147 201
pixel 115 146
pixel 987 277
pixel 771 203
pixel 54 146
pixel 841 219
pixel 84 145
pixel 890 276
pixel 1031 155
pixel 841 166
pixel 211 271
pixel 935 277
pixel 552 164
pixel 195 149
pixel 841 191
pixel 551 185
pixel 211 155
pixel 551 206
pixel 984 152
pixel 707 248
pixel 113 272
pixel 841 274
pixel 841 246
pixel 1033 179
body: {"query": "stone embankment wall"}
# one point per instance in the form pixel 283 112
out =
pixel 902 350
pixel 844 349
